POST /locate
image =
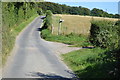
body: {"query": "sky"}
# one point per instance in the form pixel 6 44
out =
pixel 106 5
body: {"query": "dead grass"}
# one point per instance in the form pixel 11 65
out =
pixel 75 23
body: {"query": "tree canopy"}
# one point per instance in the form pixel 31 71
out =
pixel 64 9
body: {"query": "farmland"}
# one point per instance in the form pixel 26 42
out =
pixel 75 23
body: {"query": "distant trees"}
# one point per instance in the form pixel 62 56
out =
pixel 64 9
pixel 86 11
pixel 97 12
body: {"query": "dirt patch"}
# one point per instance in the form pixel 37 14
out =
pixel 61 48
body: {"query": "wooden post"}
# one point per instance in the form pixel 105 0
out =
pixel 59 27
pixel 52 28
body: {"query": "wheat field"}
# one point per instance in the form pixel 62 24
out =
pixel 75 23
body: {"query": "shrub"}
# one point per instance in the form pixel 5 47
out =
pixel 48 20
pixel 104 34
pixel 45 33
pixel 117 23
pixel 39 11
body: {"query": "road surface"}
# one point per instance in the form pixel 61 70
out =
pixel 32 57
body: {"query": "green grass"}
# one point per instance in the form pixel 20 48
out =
pixel 89 63
pixel 71 39
pixel 9 36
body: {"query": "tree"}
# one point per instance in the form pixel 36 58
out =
pixel 39 11
pixel 98 12
pixel 86 11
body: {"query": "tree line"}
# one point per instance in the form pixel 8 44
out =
pixel 16 12
pixel 64 9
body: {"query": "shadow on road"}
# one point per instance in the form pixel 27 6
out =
pixel 39 29
pixel 42 75
pixel 49 76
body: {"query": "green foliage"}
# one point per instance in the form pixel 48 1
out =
pixel 97 12
pixel 39 11
pixel 104 34
pixel 15 16
pixel 91 63
pixel 64 9
pixel 48 20
pixel 117 23
pixel 45 33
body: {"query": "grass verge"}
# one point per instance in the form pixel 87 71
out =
pixel 71 39
pixel 90 63
pixel 8 37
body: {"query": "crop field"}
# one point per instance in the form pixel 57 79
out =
pixel 75 23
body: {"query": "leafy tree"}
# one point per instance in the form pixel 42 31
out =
pixel 39 11
pixel 86 11
pixel 20 15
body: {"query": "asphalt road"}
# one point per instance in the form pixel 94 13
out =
pixel 32 57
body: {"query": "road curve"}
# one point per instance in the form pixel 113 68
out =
pixel 33 58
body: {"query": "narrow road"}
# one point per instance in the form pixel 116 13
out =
pixel 33 58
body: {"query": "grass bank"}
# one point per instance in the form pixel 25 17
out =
pixel 9 36
pixel 71 39
pixel 90 63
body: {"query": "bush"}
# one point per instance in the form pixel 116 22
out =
pixel 48 20
pixel 104 34
pixel 39 11
pixel 117 23
pixel 45 33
